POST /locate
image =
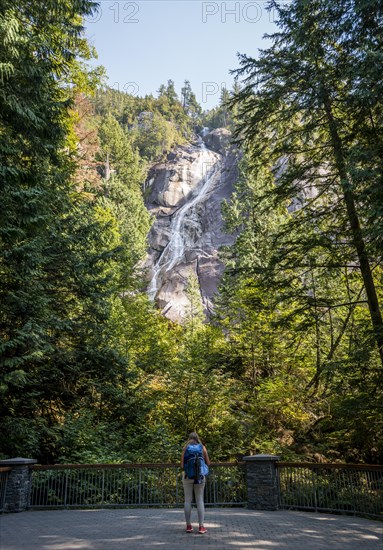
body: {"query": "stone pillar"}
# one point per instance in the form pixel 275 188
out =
pixel 262 482
pixel 18 489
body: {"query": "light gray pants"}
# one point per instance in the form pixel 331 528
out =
pixel 198 488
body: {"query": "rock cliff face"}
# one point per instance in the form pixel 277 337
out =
pixel 185 195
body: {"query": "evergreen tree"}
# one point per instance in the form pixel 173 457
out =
pixel 190 103
pixel 59 249
pixel 294 302
pixel 161 90
pixel 195 315
pixel 37 58
pixel 185 94
pixel 295 106
pixel 171 93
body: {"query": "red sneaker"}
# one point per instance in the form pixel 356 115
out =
pixel 189 528
pixel 202 530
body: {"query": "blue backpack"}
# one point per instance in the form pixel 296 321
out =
pixel 194 463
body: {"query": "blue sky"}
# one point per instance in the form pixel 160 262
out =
pixel 144 43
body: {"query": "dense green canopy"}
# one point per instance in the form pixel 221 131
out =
pixel 291 362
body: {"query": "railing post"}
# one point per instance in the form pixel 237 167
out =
pixel 103 487
pixel 66 487
pixel 18 489
pixel 262 482
pixel 177 483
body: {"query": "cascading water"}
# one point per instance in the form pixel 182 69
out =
pixel 205 169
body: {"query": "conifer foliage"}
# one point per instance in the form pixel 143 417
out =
pixel 306 267
pixel 291 362
pixel 57 248
pixel 309 103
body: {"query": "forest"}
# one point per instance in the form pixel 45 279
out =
pixel 291 361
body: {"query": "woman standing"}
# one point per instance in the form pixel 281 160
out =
pixel 192 448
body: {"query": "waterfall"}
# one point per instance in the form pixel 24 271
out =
pixel 205 169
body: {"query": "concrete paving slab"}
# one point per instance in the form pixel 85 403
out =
pixel 235 528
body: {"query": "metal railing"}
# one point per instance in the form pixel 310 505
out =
pixel 344 488
pixel 4 472
pixel 103 485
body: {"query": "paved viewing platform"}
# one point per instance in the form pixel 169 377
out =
pixel 235 528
